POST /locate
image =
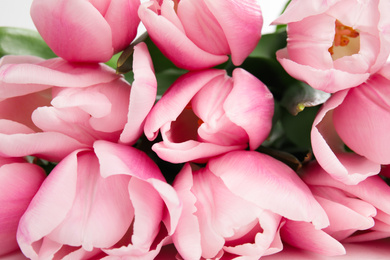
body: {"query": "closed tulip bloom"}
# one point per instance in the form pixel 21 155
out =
pixel 109 201
pixel 234 207
pixel 207 113
pixel 67 106
pixel 86 30
pixel 19 182
pixel 358 118
pixel 330 47
pixel 197 34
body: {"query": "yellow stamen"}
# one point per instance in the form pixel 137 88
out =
pixel 343 35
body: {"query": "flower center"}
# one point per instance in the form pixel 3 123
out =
pixel 189 106
pixel 346 41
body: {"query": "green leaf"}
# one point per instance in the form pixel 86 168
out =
pixel 300 95
pixel 17 41
pixel 269 44
pixel 298 128
pixel 166 78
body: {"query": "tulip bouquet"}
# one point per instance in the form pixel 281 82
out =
pixel 199 139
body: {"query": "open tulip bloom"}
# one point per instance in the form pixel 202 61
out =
pixel 199 138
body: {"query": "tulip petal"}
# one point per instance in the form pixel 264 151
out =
pixel 143 94
pixel 175 99
pixel 250 97
pixel 329 149
pixel 61 22
pixel 122 159
pixel 244 33
pixel 174 44
pixel 304 235
pixel 255 177
pixel 330 80
pixel 187 236
pixel 18 184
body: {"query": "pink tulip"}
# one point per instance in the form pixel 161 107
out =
pixel 352 208
pixel 112 201
pixel 359 118
pixel 207 113
pixel 235 205
pixel 19 181
pixel 86 31
pixel 332 48
pixel 197 34
pixel 67 106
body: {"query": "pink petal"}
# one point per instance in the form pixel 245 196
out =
pixel 191 150
pixel 47 210
pixel 372 190
pixel 123 20
pixel 329 80
pixel 361 120
pixel 251 106
pixel 61 22
pixel 202 28
pixel 174 44
pixel 187 236
pixel 304 235
pixel 241 22
pixel 269 184
pixel 143 94
pixel 50 146
pixel 175 99
pixel 121 159
pixel 101 206
pixel 18 184
pixel 329 149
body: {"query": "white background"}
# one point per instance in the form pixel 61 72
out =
pixel 16 13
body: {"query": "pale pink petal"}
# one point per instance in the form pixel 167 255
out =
pixel 369 250
pixel 61 22
pixel 191 150
pixel 57 72
pixel 187 236
pixel 123 20
pixel 168 11
pixel 143 94
pixel 329 149
pixel 241 22
pixel 329 80
pixel 270 184
pixel 108 211
pixel 250 97
pixel 121 159
pixel 295 12
pixel 372 190
pixel 304 235
pixel 301 46
pixel 49 206
pixel 362 120
pixel 50 146
pixel 175 99
pixel 18 184
pixel 202 27
pixel 16 59
pixel 174 44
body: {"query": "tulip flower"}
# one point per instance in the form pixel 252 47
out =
pixel 19 182
pixel 207 113
pixel 235 205
pixel 67 106
pixel 352 208
pixel 358 118
pixel 332 48
pixel 198 34
pixel 86 31
pixel 109 201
